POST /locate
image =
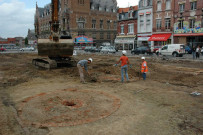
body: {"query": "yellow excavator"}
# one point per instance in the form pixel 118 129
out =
pixel 58 49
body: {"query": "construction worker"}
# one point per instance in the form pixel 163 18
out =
pixel 82 64
pixel 144 68
pixel 124 67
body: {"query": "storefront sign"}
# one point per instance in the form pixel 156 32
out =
pixel 143 38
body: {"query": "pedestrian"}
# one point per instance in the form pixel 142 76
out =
pixel 124 65
pixel 194 52
pixel 197 52
pixel 144 68
pixel 82 64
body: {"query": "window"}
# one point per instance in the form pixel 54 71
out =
pixel 148 24
pixel 192 23
pixel 167 23
pixel 115 25
pixel 131 28
pixel 130 14
pixel 101 35
pixel 165 48
pixel 81 2
pixel 149 3
pixel 141 3
pixel 141 23
pixel 94 35
pixel 181 7
pixel 81 23
pixel 108 35
pixel 158 24
pixel 159 6
pixel 180 25
pixel 101 24
pixel 193 5
pixel 108 25
pixel 168 4
pixel 100 8
pixel 122 29
pixel 92 7
pixel 94 24
pixel 122 16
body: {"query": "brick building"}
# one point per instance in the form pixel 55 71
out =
pixel 127 28
pixel 162 32
pixel 145 23
pixel 188 26
pixel 95 19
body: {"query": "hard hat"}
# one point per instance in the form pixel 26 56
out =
pixel 90 59
pixel 124 52
pixel 143 58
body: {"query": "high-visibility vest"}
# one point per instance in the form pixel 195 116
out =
pixel 143 67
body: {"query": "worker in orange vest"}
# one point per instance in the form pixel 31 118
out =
pixel 144 68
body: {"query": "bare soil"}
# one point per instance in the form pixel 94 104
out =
pixel 161 105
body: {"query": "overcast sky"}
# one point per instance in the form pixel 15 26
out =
pixel 17 16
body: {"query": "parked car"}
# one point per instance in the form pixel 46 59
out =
pixel 108 49
pixel 188 50
pixel 3 49
pixel 141 50
pixel 27 49
pixel 173 49
pixel 156 48
pixel 88 48
pixel 94 49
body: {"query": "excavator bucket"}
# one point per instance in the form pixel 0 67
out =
pixel 62 48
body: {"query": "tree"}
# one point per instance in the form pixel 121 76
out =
pixel 26 41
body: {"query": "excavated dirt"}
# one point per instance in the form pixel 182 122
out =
pixel 53 102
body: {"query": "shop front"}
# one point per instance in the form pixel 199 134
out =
pixel 193 39
pixel 161 39
pixel 191 35
pixel 82 41
pixel 125 42
pixel 142 40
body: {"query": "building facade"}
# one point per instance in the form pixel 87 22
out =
pixel 95 19
pixel 32 40
pixel 163 20
pixel 127 28
pixel 188 26
pixel 145 23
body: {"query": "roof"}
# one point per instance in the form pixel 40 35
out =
pixel 120 10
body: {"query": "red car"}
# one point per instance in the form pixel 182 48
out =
pixel 3 49
pixel 156 48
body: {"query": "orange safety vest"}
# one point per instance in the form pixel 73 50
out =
pixel 143 67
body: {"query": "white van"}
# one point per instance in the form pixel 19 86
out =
pixel 173 49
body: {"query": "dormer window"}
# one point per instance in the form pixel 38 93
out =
pixel 130 14
pixel 92 7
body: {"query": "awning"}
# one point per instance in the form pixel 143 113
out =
pixel 125 40
pixel 159 37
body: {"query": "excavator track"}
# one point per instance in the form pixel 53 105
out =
pixel 47 63
pixel 44 63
